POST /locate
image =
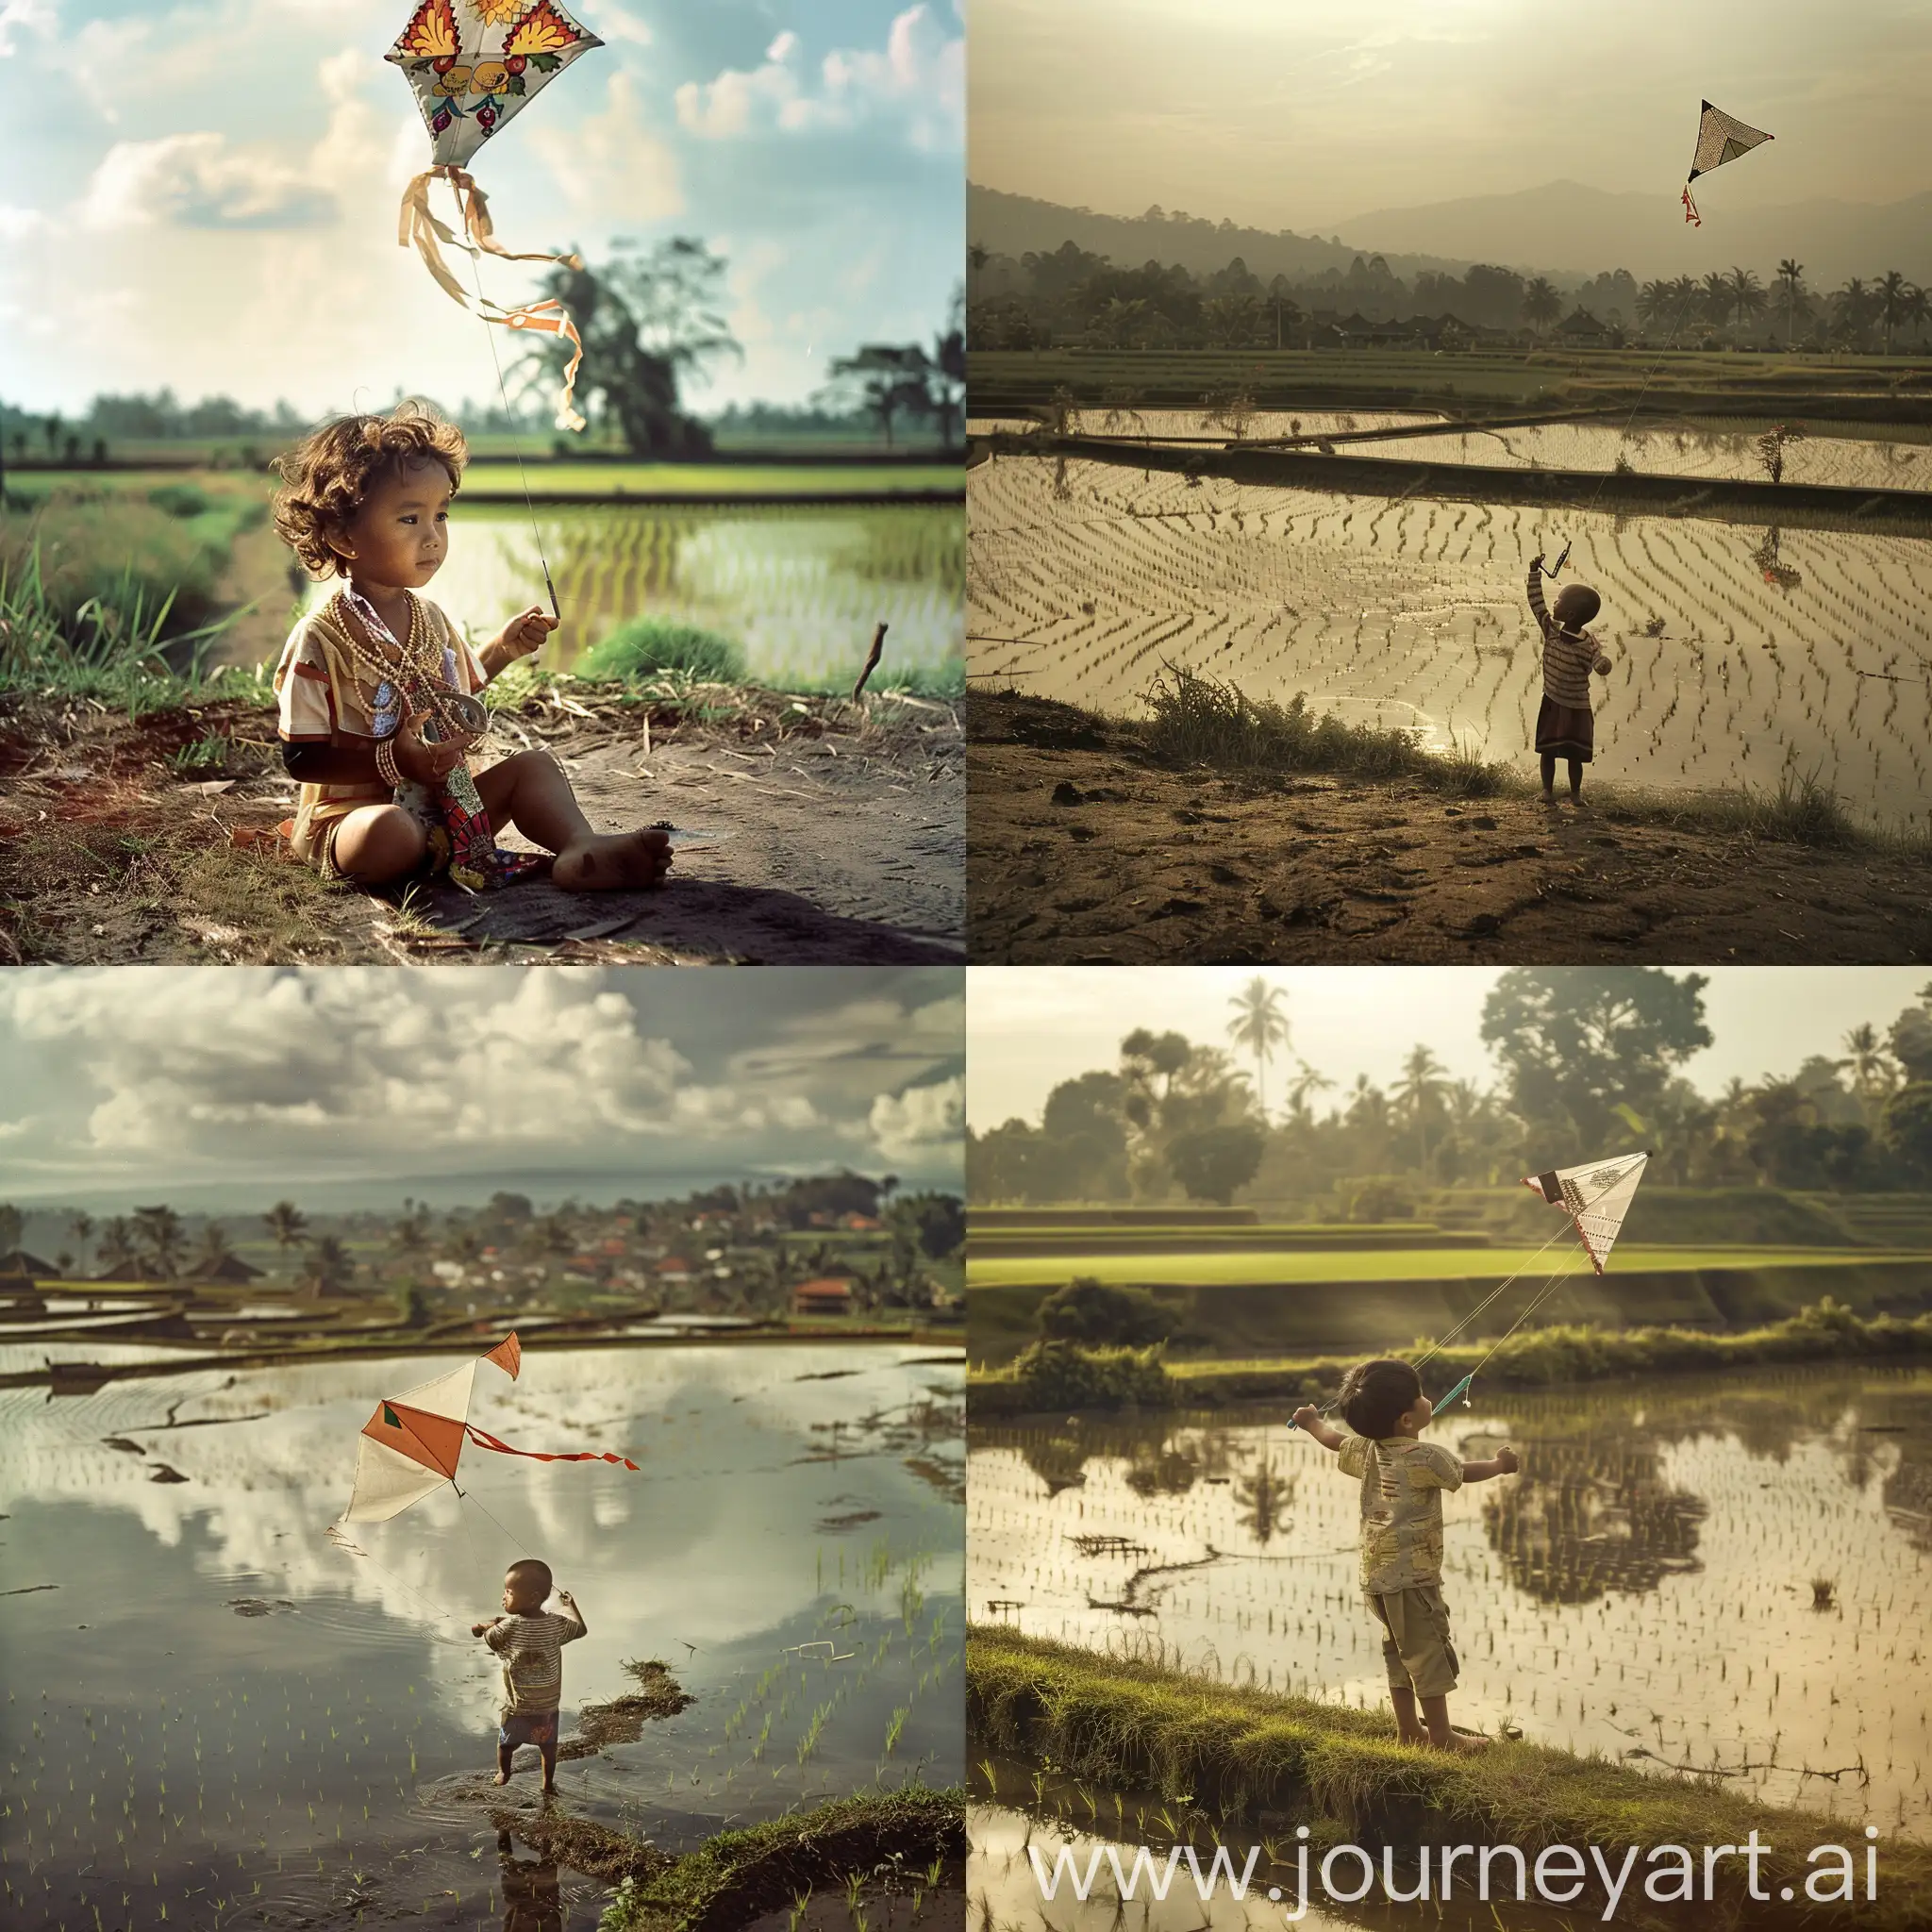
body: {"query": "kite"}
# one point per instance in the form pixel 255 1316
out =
pixel 1594 1198
pixel 474 64
pixel 409 1447
pixel 1720 138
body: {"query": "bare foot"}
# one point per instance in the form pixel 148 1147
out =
pixel 550 1791
pixel 1414 1737
pixel 1549 798
pixel 1465 1742
pixel 616 861
pixel 501 1777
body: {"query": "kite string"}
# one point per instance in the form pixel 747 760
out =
pixel 503 393
pixel 1454 1332
pixel 341 1542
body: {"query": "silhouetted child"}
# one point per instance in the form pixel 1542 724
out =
pixel 1402 1484
pixel 529 1640
pixel 377 687
pixel 1565 727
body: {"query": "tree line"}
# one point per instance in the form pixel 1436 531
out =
pixel 1590 1063
pixel 1071 295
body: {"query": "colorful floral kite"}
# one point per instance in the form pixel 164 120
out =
pixel 409 1447
pixel 474 64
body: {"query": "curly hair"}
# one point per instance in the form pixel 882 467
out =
pixel 326 475
pixel 1374 1393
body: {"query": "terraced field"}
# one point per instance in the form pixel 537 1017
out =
pixel 1741 655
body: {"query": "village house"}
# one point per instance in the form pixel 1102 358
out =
pixel 826 1295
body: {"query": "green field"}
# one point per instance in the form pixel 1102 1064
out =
pixel 710 482
pixel 1888 388
pixel 1211 1268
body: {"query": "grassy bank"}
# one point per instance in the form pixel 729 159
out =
pixel 1243 1752
pixel 1053 1377
pixel 1201 724
pixel 905 1842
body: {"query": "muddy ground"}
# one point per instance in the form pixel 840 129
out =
pixel 821 832
pixel 1083 851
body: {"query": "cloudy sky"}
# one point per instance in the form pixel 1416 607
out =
pixel 244 1081
pixel 1029 1027
pixel 203 194
pixel 1303 116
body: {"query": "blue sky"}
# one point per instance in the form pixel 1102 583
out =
pixel 203 195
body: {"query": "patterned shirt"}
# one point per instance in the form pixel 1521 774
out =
pixel 1402 1481
pixel 1569 656
pixel 531 1648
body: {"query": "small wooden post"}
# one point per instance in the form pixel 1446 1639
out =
pixel 871 662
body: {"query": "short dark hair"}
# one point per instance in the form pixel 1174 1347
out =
pixel 1374 1393
pixel 1577 603
pixel 326 475
pixel 530 1570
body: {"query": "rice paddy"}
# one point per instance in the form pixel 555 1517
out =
pixel 216 1713
pixel 1647 1588
pixel 1741 655
pixel 798 590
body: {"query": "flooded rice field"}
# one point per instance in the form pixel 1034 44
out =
pixel 1741 655
pixel 798 589
pixel 216 1712
pixel 1730 1576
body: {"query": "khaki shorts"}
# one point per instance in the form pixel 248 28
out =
pixel 1415 1645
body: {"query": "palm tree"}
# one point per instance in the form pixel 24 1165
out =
pixel 1309 1080
pixel 215 1249
pixel 286 1222
pixel 1715 290
pixel 12 1227
pixel 1424 1078
pixel 1869 1065
pixel 327 1265
pixel 1747 295
pixel 1917 310
pixel 158 1229
pixel 1654 302
pixel 1792 274
pixel 1892 298
pixel 1260 1025
pixel 1852 310
pixel 115 1256
pixel 81 1226
pixel 1542 305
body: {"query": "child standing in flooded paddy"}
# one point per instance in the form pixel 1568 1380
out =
pixel 530 1641
pixel 1565 726
pixel 1402 1484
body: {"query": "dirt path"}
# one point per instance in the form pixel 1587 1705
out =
pixel 1082 851
pixel 831 834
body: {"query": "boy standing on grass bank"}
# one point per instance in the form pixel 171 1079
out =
pixel 1565 727
pixel 1401 1483
pixel 530 1642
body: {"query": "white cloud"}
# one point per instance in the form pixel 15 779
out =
pixel 924 1123
pixel 200 181
pixel 611 163
pixel 16 14
pixel 613 23
pixel 918 78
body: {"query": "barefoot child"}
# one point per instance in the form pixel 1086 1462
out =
pixel 377 687
pixel 1564 726
pixel 531 1641
pixel 1402 1480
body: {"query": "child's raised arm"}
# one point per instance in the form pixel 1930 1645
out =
pixel 1504 1463
pixel 1309 1418
pixel 570 1603
pixel 521 637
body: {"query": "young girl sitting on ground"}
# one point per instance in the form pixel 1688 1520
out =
pixel 1401 1483
pixel 377 687
pixel 1564 726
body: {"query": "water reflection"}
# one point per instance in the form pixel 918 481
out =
pixel 210 1701
pixel 1645 1587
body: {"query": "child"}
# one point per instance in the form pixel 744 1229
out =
pixel 377 687
pixel 1564 727
pixel 1402 1480
pixel 529 1643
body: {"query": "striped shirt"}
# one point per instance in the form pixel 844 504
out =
pixel 1569 656
pixel 1402 1482
pixel 531 1648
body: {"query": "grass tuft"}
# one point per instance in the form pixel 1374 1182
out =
pixel 649 646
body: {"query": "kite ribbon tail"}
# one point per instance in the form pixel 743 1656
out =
pixel 1691 214
pixel 483 1440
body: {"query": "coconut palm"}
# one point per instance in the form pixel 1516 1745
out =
pixel 327 1265
pixel 1423 1079
pixel 1792 274
pixel 1893 299
pixel 1656 302
pixel 161 1234
pixel 1260 1025
pixel 1872 1070
pixel 1308 1081
pixel 288 1224
pixel 1542 305
pixel 81 1226
pixel 214 1250
pixel 1748 298
pixel 1714 298
pixel 115 1257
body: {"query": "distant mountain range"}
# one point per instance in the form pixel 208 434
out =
pixel 1561 229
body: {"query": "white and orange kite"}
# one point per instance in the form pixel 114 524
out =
pixel 409 1447
pixel 474 64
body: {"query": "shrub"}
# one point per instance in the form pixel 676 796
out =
pixel 1090 1312
pixel 1061 1375
pixel 649 646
